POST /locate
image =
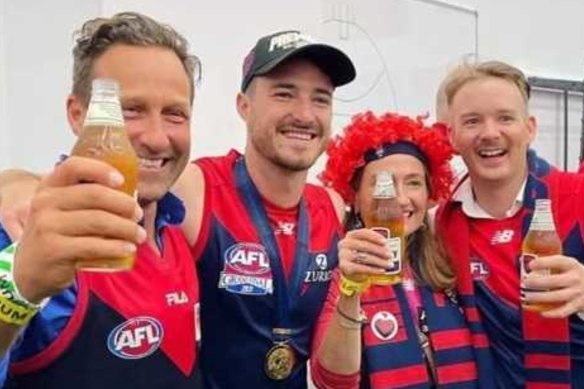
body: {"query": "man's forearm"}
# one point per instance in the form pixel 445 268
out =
pixel 8 333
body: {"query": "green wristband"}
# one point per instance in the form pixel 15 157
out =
pixel 8 288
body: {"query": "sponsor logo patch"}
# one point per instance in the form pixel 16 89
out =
pixel 176 298
pixel 502 237
pixel 285 228
pixel 322 273
pixel 135 338
pixel 246 270
pixel 321 261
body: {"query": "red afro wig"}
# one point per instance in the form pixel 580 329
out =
pixel 368 132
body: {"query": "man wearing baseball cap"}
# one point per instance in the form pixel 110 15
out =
pixel 266 241
pixel 271 50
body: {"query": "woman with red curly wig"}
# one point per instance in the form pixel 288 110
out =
pixel 408 335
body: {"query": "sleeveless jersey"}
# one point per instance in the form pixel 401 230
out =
pixel 238 282
pixel 132 329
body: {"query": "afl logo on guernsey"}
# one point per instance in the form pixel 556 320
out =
pixel 479 269
pixel 246 270
pixel 248 258
pixel 135 338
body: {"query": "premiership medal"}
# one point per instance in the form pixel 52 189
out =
pixel 280 360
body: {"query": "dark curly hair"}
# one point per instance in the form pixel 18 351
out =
pixel 129 28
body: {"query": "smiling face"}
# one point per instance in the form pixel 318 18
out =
pixel 411 186
pixel 491 130
pixel 155 98
pixel 288 115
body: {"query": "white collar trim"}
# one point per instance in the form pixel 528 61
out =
pixel 471 208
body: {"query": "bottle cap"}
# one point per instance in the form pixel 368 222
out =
pixel 107 85
pixel 384 186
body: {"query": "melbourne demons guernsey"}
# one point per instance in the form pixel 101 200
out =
pixel 528 350
pixel 133 329
pixel 240 280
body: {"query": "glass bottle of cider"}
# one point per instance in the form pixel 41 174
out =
pixel 104 138
pixel 386 218
pixel 541 240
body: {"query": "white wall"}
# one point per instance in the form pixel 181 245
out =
pixel 544 38
pixel 401 48
pixel 548 107
pixel 36 63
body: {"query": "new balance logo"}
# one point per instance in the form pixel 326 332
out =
pixel 285 228
pixel 502 236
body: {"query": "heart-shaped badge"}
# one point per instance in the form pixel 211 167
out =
pixel 384 325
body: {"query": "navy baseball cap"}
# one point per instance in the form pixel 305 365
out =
pixel 272 50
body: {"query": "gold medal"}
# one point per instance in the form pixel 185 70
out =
pixel 280 360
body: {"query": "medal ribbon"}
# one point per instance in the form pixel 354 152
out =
pixel 283 291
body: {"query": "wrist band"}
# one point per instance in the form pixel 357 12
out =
pixel 349 287
pixel 13 313
pixel 349 326
pixel 351 322
pixel 8 288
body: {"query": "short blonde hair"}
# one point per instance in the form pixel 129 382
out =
pixel 466 73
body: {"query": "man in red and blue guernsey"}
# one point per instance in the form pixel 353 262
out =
pixel 484 224
pixel 266 241
pixel 132 329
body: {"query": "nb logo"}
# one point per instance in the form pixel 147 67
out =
pixel 285 228
pixel 502 236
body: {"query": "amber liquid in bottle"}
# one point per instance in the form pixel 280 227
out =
pixel 104 138
pixel 386 218
pixel 541 240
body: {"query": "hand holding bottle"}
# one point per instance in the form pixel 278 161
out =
pixel 363 253
pixel 540 241
pixel 562 290
pixel 386 218
pixel 104 138
pixel 76 214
